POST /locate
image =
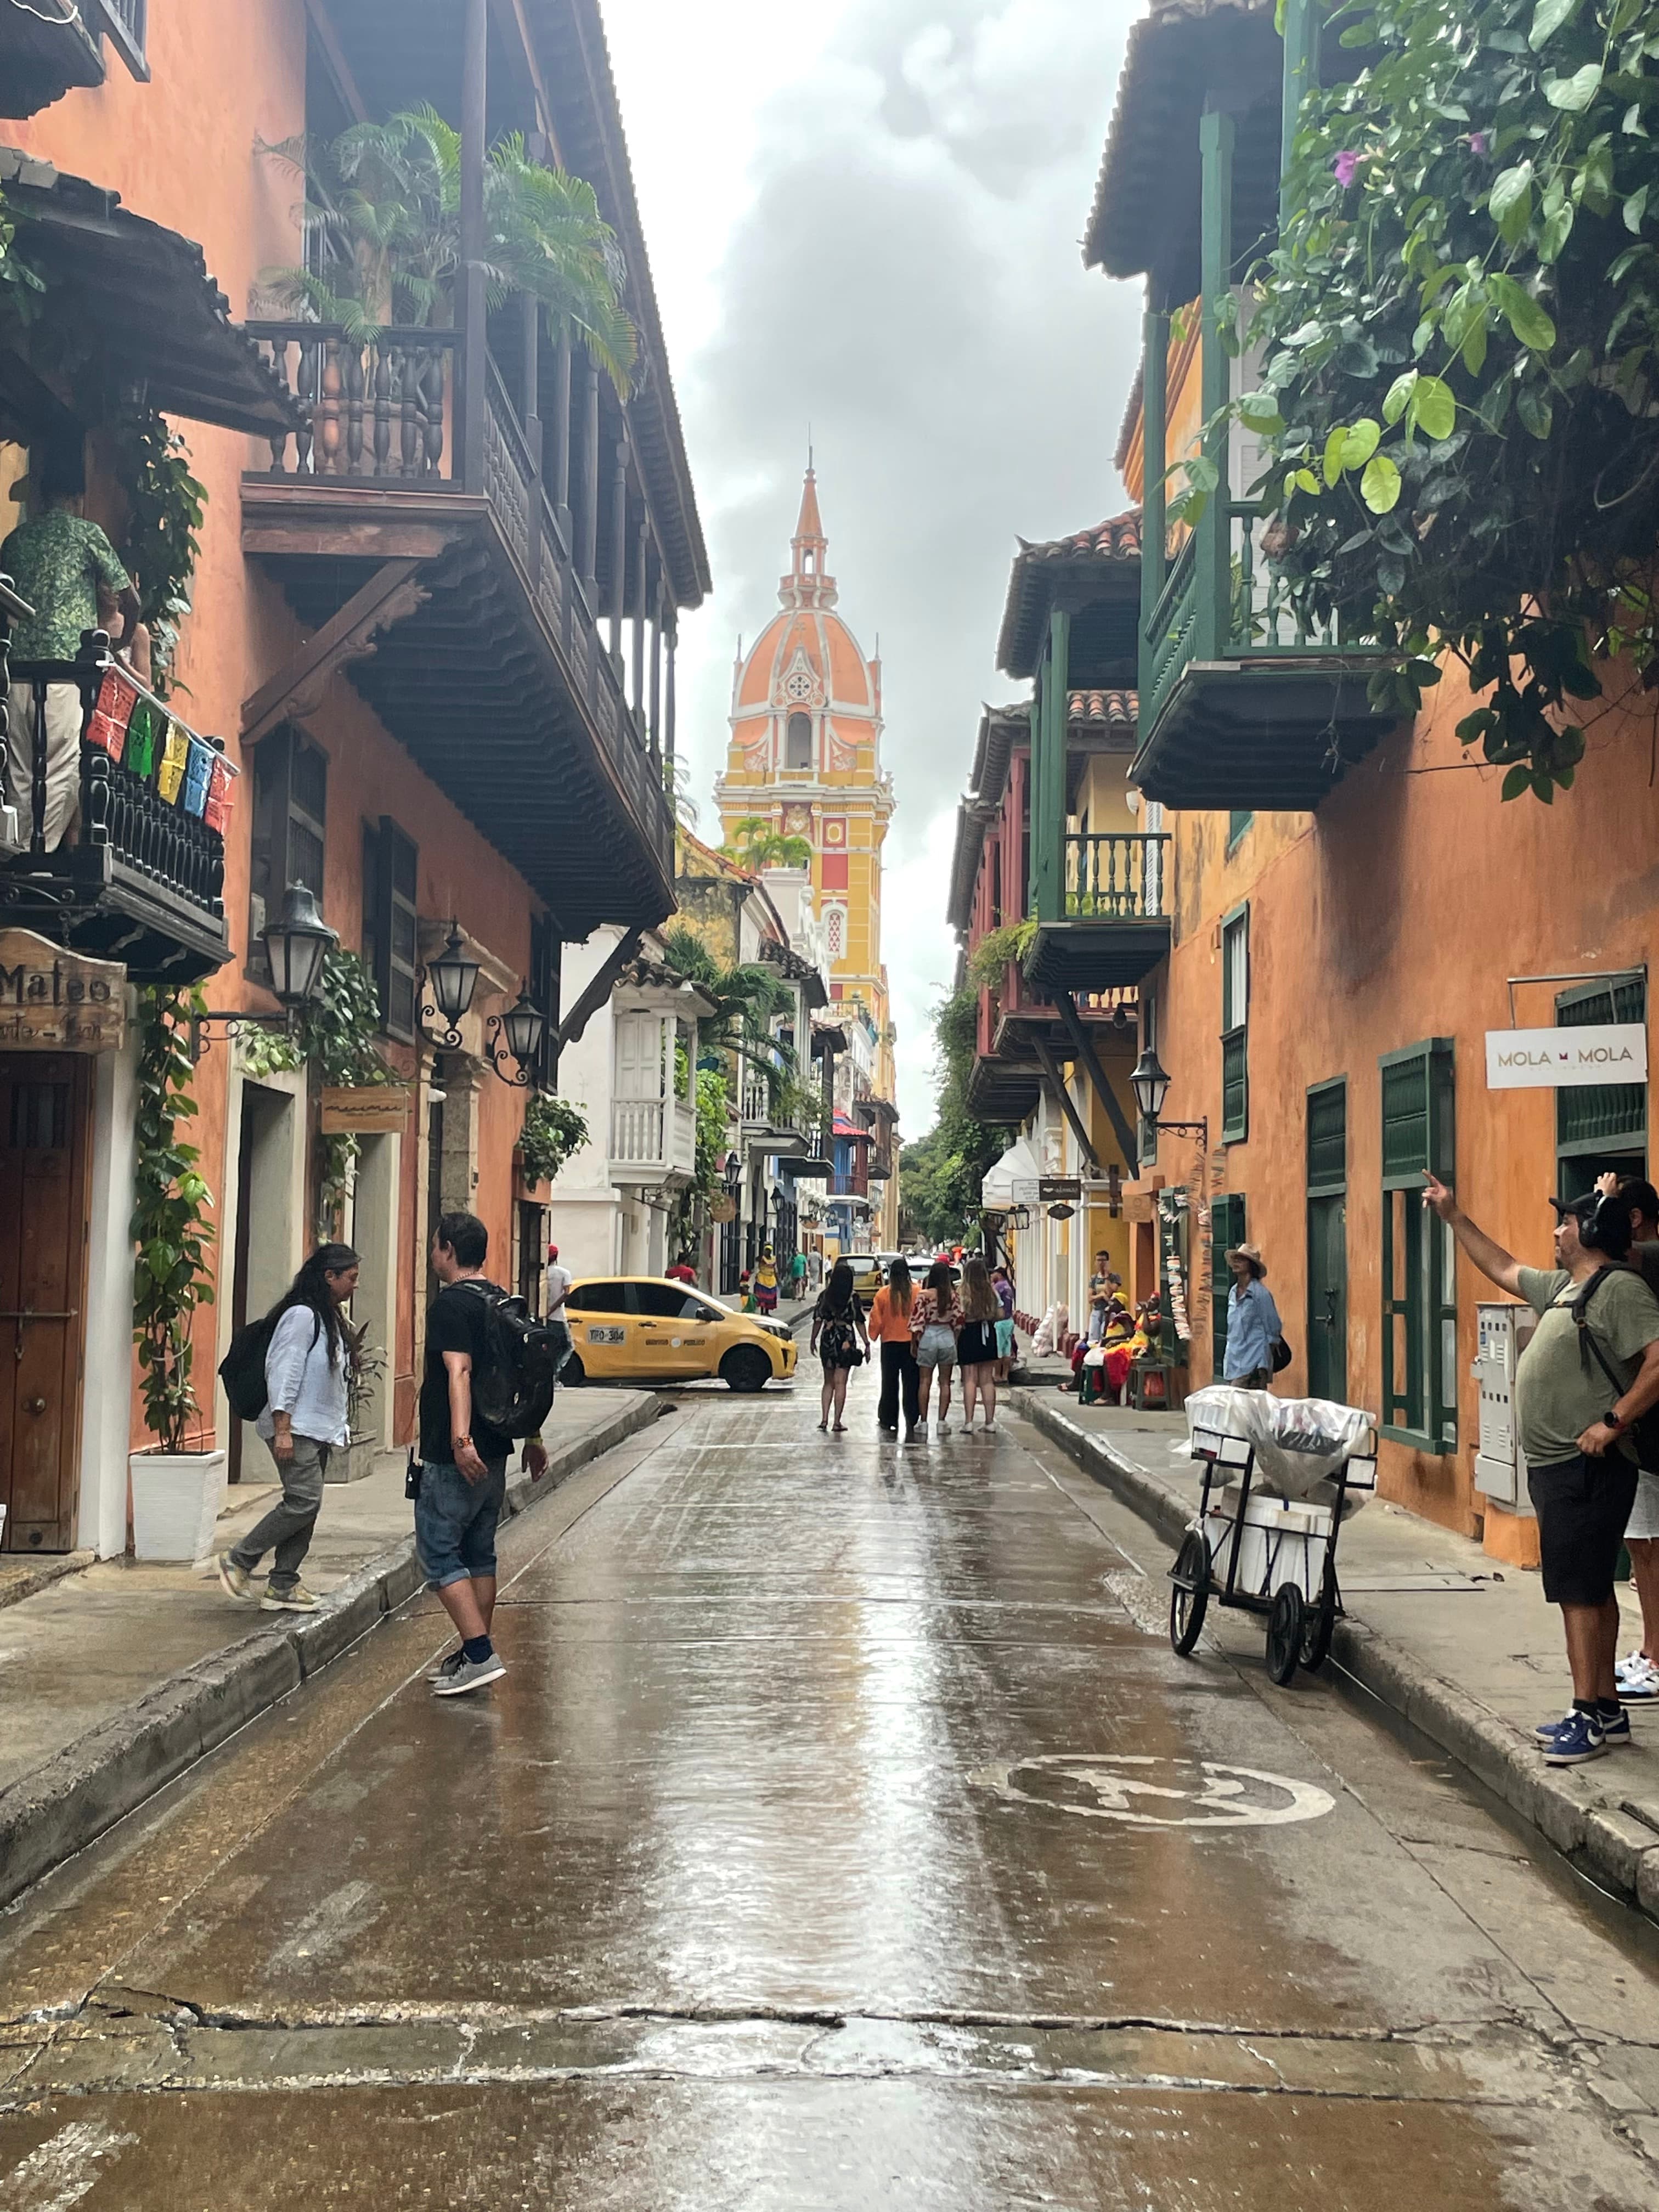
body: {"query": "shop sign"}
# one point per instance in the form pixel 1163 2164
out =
pixel 1059 1190
pixel 369 1109
pixel 56 1001
pixel 1563 1059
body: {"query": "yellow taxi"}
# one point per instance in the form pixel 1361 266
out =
pixel 868 1273
pixel 642 1329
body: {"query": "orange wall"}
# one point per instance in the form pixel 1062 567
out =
pixel 1396 915
pixel 181 151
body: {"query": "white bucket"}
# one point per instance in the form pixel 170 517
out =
pixel 1280 1543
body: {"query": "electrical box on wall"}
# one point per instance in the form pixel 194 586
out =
pixel 1503 1331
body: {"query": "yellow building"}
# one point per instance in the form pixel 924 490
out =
pixel 805 759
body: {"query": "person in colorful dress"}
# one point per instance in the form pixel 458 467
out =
pixel 766 1281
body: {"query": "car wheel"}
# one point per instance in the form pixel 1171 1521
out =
pixel 573 1374
pixel 745 1368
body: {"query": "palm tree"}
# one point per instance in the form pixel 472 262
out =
pixel 747 997
pixel 759 846
pixel 382 220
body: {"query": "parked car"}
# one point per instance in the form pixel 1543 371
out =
pixel 868 1272
pixel 640 1328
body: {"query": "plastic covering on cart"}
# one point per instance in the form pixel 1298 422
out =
pixel 1300 1443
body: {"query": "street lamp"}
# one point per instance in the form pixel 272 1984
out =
pixel 521 1026
pixel 297 944
pixel 1150 1084
pixel 453 976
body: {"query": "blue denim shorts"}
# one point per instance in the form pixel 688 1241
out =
pixel 455 1523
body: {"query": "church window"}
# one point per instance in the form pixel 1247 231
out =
pixel 797 742
pixel 834 931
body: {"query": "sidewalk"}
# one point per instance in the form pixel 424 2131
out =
pixel 115 1679
pixel 1464 1648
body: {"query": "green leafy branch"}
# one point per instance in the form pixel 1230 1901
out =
pixel 170 1228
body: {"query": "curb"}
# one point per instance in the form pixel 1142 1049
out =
pixel 65 1804
pixel 1618 1845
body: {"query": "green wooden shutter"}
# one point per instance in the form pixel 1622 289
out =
pixel 1603 1116
pixel 1235 1026
pixel 1328 1137
pixel 1419 1280
pixel 1226 1230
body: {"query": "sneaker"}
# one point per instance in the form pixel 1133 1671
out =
pixel 1638 1678
pixel 447 1666
pixel 1616 1731
pixel 1579 1738
pixel 235 1580
pixel 470 1674
pixel 297 1599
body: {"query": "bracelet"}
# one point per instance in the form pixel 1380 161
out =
pixel 456 1442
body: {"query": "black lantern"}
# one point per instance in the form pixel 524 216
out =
pixel 296 944
pixel 1149 1084
pixel 453 976
pixel 521 1027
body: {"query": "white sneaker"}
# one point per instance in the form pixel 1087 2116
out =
pixel 1637 1678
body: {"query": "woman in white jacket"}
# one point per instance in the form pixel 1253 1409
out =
pixel 307 1366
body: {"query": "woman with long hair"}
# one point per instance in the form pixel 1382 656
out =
pixel 889 1327
pixel 308 1361
pixel 976 1342
pixel 935 1317
pixel 838 1324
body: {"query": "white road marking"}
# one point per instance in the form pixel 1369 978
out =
pixel 1210 1795
pixel 54 2175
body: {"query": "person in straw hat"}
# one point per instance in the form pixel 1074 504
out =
pixel 1253 1324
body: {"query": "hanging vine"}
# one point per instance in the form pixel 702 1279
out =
pixel 171 1230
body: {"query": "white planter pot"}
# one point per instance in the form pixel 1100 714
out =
pixel 176 1498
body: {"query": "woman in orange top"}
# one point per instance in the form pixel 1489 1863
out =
pixel 889 1327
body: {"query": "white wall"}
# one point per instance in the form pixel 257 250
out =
pixel 107 1397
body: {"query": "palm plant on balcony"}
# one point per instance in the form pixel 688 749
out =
pixel 382 221
pixel 747 998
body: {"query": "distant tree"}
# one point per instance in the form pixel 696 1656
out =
pixel 758 845
pixel 940 1175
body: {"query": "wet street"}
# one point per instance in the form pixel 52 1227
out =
pixel 844 1835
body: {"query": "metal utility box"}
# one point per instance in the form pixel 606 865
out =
pixel 1500 1466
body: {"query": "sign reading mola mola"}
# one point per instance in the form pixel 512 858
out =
pixel 1557 1060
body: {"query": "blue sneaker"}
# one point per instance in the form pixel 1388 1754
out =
pixel 1578 1738
pixel 1616 1731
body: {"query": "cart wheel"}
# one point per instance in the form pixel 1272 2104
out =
pixel 1190 1598
pixel 1284 1632
pixel 1319 1624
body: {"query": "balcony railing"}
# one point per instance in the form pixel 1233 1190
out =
pixel 146 833
pixel 653 1133
pixel 380 409
pixel 1111 877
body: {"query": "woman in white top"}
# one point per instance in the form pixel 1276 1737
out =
pixel 308 1368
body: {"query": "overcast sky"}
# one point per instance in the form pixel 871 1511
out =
pixel 864 215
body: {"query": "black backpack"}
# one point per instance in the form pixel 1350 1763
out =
pixel 514 1388
pixel 242 1369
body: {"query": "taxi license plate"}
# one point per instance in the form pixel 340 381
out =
pixel 607 1336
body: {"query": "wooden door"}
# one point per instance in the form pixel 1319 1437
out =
pixel 1328 1297
pixel 44 1110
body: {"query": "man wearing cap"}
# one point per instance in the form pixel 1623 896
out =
pixel 1572 1417
pixel 1253 1324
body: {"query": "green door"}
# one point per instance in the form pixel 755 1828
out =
pixel 1328 1297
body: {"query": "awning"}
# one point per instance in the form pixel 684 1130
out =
pixel 146 295
pixel 1020 1164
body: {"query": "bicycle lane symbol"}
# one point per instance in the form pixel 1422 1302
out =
pixel 1148 1792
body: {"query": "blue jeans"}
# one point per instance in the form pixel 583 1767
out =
pixel 455 1523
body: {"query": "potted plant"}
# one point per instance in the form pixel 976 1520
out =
pixel 177 1491
pixel 365 1365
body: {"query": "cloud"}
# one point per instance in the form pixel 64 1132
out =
pixel 894 259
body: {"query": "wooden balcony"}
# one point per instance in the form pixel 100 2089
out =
pixel 1017 1025
pixel 42 58
pixel 1114 929
pixel 138 874
pixel 1242 702
pixel 445 579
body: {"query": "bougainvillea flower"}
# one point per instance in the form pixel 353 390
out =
pixel 1344 166
pixel 1477 141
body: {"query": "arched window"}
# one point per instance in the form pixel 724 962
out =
pixel 797 742
pixel 835 931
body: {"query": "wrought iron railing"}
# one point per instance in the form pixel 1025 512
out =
pixel 1112 877
pixel 146 786
pixel 376 410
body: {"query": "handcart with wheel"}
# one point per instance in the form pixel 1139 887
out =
pixel 1269 1554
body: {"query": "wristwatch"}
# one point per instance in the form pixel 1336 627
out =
pixel 1613 1420
pixel 455 1443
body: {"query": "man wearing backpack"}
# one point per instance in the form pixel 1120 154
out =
pixel 463 1479
pixel 1582 1383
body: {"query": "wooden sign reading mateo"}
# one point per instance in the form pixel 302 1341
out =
pixel 56 1001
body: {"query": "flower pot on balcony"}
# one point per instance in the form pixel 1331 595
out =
pixel 176 1498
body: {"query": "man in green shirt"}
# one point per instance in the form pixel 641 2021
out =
pixel 57 561
pixel 1572 1418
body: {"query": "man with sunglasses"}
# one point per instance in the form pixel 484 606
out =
pixel 1592 1368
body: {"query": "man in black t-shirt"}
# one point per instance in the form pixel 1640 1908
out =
pixel 463 1459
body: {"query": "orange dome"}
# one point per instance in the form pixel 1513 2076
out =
pixel 806 659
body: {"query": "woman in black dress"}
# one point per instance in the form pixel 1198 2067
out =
pixel 976 1342
pixel 839 1337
